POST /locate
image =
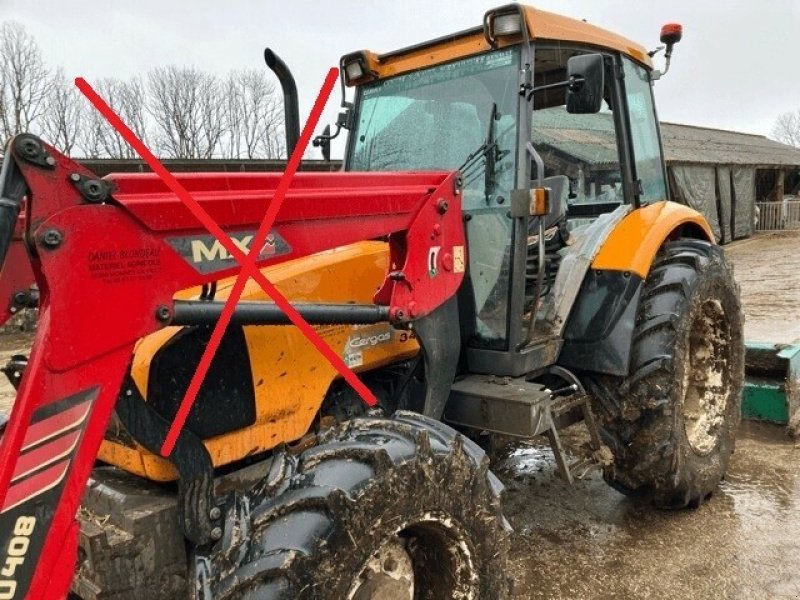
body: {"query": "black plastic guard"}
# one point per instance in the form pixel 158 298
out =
pixel 599 330
pixel 439 334
pixel 190 457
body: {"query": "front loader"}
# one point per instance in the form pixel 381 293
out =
pixel 497 256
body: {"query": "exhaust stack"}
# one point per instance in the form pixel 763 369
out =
pixel 291 109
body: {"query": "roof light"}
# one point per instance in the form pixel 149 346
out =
pixel 503 22
pixel 507 24
pixel 353 70
pixel 358 67
pixel 671 33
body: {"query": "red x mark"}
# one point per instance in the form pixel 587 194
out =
pixel 246 261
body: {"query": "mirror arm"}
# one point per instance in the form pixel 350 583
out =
pixel 574 83
pixel 322 138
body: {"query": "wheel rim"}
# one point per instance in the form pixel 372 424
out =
pixel 705 378
pixel 429 559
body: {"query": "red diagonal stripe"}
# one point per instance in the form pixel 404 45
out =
pixel 247 262
pixel 35 485
pixel 45 454
pixel 58 423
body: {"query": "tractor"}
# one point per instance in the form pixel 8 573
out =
pixel 498 256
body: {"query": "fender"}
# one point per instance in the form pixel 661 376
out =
pixel 633 244
pixel 597 334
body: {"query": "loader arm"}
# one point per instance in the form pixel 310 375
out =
pixel 109 255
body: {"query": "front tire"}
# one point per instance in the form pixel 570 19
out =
pixel 671 424
pixel 380 508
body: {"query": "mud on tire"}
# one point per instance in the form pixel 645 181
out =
pixel 375 496
pixel 671 424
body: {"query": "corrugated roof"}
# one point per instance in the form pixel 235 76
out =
pixel 590 138
pixel 691 144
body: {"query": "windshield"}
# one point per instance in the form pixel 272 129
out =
pixel 458 115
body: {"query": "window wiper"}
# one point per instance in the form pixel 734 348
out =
pixel 489 152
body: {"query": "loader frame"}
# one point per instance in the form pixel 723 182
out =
pixel 118 257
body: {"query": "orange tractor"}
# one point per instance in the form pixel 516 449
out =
pixel 498 255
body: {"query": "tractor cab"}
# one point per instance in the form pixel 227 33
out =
pixel 515 106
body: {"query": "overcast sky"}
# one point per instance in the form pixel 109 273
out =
pixel 736 68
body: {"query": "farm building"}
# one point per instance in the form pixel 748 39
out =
pixel 739 181
pixel 727 174
pixel 735 179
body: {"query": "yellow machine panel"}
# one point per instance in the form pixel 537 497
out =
pixel 290 377
pixel 633 244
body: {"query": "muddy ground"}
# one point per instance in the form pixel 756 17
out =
pixel 767 266
pixel 586 541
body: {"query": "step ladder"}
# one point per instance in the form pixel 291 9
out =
pixel 516 407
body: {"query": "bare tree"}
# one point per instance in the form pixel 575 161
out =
pixel 254 112
pixel 787 128
pixel 62 121
pixel 189 113
pixel 24 80
pixel 127 99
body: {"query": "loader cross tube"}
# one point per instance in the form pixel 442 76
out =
pixel 193 312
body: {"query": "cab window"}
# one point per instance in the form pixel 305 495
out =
pixel 580 151
pixel 644 133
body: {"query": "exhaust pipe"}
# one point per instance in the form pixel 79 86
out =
pixel 291 109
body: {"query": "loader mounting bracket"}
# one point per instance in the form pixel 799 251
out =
pixel 196 502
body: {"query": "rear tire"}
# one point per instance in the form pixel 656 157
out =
pixel 671 424
pixel 378 503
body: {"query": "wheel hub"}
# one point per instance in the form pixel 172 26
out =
pixel 704 379
pixel 387 575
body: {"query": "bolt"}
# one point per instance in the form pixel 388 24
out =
pixel 74 177
pixel 216 533
pixel 163 313
pixel 442 206
pixel 30 148
pixel 390 565
pixel 52 238
pixel 50 161
pixel 214 513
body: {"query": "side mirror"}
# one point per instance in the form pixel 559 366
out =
pixel 325 145
pixel 586 82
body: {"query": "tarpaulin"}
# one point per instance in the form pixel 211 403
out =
pixel 744 198
pixel 696 187
pixel 725 207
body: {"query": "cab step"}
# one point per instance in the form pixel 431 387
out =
pixel 516 407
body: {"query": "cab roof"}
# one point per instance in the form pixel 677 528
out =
pixel 542 25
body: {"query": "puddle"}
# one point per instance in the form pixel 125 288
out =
pixel 588 541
